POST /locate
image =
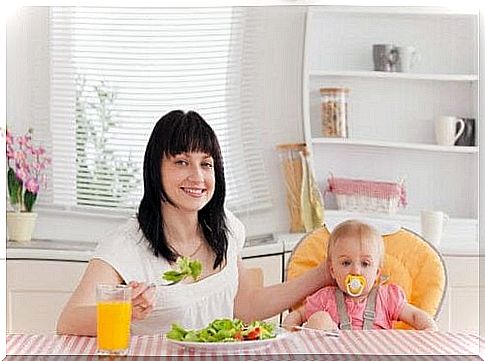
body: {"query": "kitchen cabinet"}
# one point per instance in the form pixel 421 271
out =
pixel 37 291
pixel 460 309
pixel 391 115
pixel 272 267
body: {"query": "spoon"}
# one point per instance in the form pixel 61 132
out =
pixel 333 333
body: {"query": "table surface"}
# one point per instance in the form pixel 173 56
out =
pixel 371 342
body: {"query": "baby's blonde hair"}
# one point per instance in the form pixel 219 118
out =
pixel 359 230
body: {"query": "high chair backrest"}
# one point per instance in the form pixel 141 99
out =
pixel 409 262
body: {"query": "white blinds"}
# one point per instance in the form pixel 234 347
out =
pixel 116 71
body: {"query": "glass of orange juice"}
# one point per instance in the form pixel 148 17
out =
pixel 113 307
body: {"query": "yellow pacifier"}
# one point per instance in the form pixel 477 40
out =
pixel 355 284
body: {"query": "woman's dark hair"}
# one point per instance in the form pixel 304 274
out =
pixel 178 132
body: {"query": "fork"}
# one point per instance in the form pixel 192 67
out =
pixel 153 284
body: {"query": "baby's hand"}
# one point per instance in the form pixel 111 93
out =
pixel 432 327
pixel 142 299
pixel 321 320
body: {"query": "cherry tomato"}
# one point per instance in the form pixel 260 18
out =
pixel 254 334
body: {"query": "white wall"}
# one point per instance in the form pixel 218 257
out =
pixel 27 64
pixel 482 170
pixel 280 50
pixel 280 69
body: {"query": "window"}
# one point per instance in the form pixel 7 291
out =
pixel 115 71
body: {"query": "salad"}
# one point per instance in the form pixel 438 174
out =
pixel 185 267
pixel 224 330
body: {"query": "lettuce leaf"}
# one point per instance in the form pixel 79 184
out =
pixel 185 267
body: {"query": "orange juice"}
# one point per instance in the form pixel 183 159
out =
pixel 113 325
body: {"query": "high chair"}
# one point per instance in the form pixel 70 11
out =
pixel 409 262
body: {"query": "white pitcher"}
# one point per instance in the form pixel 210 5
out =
pixel 432 223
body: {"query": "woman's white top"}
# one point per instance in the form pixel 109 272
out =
pixel 192 305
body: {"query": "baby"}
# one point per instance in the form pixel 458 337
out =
pixel 355 255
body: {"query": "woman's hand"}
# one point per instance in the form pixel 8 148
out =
pixel 324 272
pixel 142 299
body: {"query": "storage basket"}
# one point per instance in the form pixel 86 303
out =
pixel 365 196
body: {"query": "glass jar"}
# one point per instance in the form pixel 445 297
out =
pixel 334 102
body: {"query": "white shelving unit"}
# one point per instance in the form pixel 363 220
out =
pixel 386 75
pixel 391 115
pixel 417 146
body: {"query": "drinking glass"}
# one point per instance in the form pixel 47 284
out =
pixel 113 308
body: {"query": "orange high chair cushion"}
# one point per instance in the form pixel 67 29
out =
pixel 409 262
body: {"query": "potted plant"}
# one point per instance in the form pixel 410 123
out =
pixel 25 167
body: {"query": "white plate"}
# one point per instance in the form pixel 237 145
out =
pixel 232 346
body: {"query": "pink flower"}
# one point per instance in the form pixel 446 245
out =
pixel 9 137
pixel 22 174
pixel 32 185
pixel 19 156
pixel 37 166
pixel 38 151
pixel 23 140
pixel 29 164
pixel 10 152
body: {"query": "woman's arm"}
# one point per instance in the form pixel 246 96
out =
pixel 79 314
pixel 259 303
pixel 417 318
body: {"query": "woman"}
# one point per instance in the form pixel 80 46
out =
pixel 181 214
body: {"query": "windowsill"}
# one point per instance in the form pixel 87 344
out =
pixel 55 210
pixel 64 211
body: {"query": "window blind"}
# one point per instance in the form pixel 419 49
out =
pixel 116 71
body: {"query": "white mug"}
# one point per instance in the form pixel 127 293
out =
pixel 432 223
pixel 445 129
pixel 407 57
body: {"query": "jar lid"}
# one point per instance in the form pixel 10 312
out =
pixel 334 90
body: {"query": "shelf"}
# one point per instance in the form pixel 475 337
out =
pixel 400 106
pixel 400 145
pixel 395 75
pixel 397 10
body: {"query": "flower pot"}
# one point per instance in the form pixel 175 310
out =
pixel 20 226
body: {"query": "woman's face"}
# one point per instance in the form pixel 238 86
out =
pixel 188 179
pixel 354 256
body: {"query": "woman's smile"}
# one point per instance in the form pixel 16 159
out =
pixel 194 192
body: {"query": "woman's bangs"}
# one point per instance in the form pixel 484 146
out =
pixel 192 136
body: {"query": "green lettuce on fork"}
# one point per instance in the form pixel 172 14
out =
pixel 185 267
pixel 224 330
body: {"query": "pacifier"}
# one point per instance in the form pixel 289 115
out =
pixel 355 284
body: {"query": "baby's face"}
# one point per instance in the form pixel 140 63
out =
pixel 351 256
